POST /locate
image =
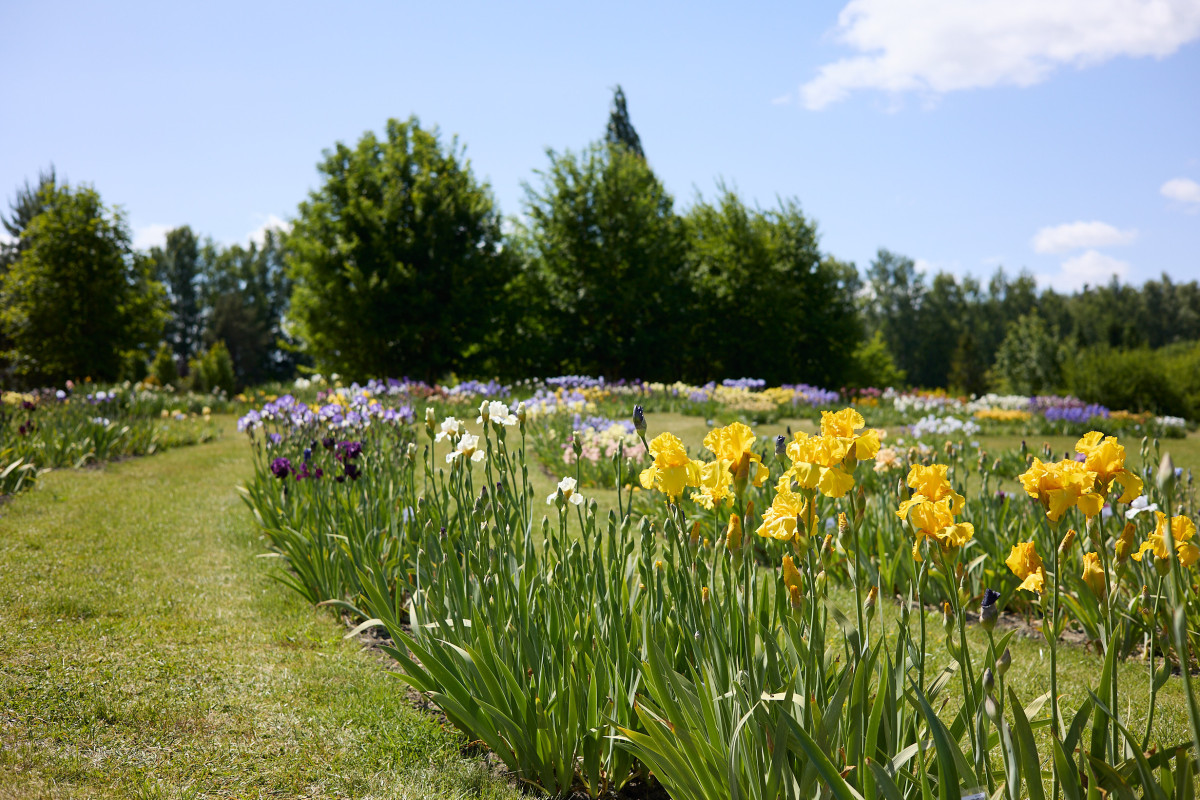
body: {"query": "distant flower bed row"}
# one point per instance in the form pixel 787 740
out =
pixel 80 424
pixel 924 413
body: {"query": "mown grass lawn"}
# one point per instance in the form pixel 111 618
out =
pixel 146 651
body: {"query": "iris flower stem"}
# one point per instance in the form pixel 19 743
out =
pixel 1109 636
pixel 1052 640
pixel 1153 683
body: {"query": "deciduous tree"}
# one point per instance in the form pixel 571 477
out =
pixel 78 300
pixel 396 259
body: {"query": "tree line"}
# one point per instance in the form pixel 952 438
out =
pixel 401 263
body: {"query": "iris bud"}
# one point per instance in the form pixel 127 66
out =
pixel 989 612
pixel 639 420
pixel 1004 663
pixel 1067 541
pixel 780 446
pixel 1166 472
pixel 733 534
pixel 989 681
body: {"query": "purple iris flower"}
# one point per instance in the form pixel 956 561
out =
pixel 281 467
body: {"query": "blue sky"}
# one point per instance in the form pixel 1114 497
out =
pixel 1060 137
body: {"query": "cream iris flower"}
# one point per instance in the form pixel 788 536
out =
pixel 468 447
pixel 568 487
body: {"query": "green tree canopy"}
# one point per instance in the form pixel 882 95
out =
pixel 21 210
pixel 397 258
pixel 1030 358
pixel 77 301
pixel 620 128
pixel 606 254
pixel 768 305
pixel 246 298
pixel 178 268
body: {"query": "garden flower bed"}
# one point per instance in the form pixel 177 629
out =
pixel 749 616
pixel 78 425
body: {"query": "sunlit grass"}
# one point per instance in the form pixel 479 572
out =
pixel 146 651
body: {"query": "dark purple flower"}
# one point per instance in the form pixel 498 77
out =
pixel 988 610
pixel 327 442
pixel 28 406
pixel 319 473
pixel 307 455
pixel 348 451
pixel 352 471
pixel 281 467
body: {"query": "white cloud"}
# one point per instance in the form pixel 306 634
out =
pixel 782 100
pixel 1183 190
pixel 938 46
pixel 1078 235
pixel 1092 268
pixel 149 236
pixel 259 234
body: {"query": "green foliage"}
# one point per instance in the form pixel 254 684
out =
pixel 397 258
pixel 28 203
pixel 163 368
pixel 76 299
pixel 178 267
pixel 212 371
pixel 606 255
pixel 896 289
pixel 946 331
pixel 246 295
pixel 968 373
pixel 1165 381
pixel 766 303
pixel 873 365
pixel 1030 358
pixel 620 128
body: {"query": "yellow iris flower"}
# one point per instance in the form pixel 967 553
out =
pixel 1061 485
pixel 1093 574
pixel 715 480
pixel 817 464
pixel 935 520
pixel 929 484
pixel 826 462
pixel 843 425
pixel 1182 530
pixel 672 470
pixel 780 520
pixel 1105 457
pixel 1026 564
pixel 734 445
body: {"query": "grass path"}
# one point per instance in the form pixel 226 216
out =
pixel 145 651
